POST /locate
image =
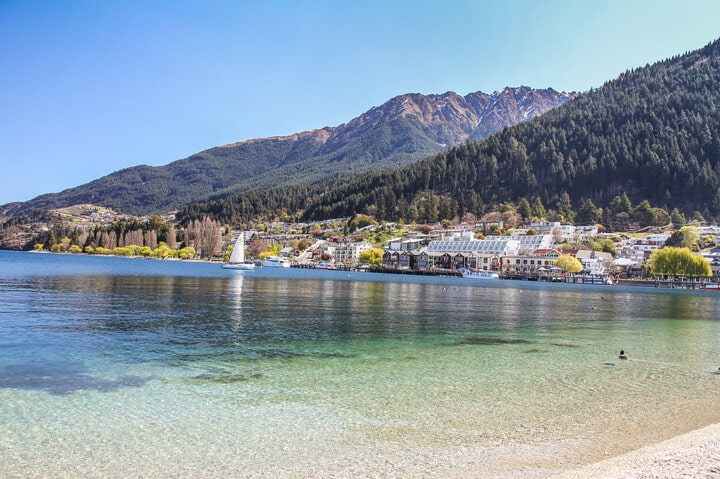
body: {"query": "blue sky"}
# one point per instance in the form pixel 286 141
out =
pixel 91 87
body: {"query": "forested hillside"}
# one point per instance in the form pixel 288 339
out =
pixel 652 134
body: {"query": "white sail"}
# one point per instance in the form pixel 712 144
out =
pixel 238 252
pixel 237 257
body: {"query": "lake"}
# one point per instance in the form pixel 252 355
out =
pixel 118 367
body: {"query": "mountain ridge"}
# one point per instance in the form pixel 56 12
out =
pixel 651 136
pixel 402 130
pixel 652 133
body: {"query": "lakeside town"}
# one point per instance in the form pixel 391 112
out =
pixel 528 253
pixel 487 248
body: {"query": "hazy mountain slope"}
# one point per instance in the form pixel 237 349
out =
pixel 404 129
pixel 145 189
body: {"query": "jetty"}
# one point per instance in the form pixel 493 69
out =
pixel 378 269
pixel 415 272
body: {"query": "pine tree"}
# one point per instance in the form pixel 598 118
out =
pixel 524 209
pixel 538 210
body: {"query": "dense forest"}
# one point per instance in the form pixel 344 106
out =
pixel 652 136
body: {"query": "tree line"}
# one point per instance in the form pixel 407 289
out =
pixel 129 237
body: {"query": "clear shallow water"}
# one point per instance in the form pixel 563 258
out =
pixel 113 367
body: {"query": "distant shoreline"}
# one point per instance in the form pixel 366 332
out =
pixel 647 283
pixel 167 258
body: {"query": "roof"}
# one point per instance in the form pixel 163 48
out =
pixel 494 245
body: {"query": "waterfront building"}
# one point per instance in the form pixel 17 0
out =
pixel 350 252
pixel 458 252
pixel 410 244
pixel 496 245
pixel 540 259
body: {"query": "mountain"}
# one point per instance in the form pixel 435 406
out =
pixel 402 130
pixel 651 136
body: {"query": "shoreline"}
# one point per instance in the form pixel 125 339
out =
pixel 693 454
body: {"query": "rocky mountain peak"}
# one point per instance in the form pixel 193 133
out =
pixel 510 106
pixel 454 118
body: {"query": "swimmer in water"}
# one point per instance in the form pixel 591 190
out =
pixel 622 354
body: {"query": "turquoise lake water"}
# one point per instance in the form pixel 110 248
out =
pixel 115 367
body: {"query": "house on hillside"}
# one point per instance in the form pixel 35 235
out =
pixel 553 228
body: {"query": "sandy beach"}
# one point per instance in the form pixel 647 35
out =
pixel 692 455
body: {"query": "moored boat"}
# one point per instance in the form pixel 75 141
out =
pixel 237 257
pixel 480 274
pixel 276 262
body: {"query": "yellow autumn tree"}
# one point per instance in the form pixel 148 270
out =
pixel 568 263
pixel 372 256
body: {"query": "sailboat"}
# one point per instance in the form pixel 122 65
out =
pixel 237 257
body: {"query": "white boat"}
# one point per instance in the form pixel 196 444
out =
pixel 275 262
pixel 480 274
pixel 237 257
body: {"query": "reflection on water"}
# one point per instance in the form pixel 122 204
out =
pixel 182 318
pixel 387 361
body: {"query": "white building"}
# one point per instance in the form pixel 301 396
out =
pixel 350 253
pixel 588 230
pixel 397 244
pixel 649 243
pixel 709 230
pixel 594 261
pixel 527 243
pixel 492 245
pixel 553 228
pixel 530 263
pixel 635 255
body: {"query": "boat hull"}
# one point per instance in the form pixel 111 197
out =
pixel 240 266
pixel 276 265
pixel 275 262
pixel 485 275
